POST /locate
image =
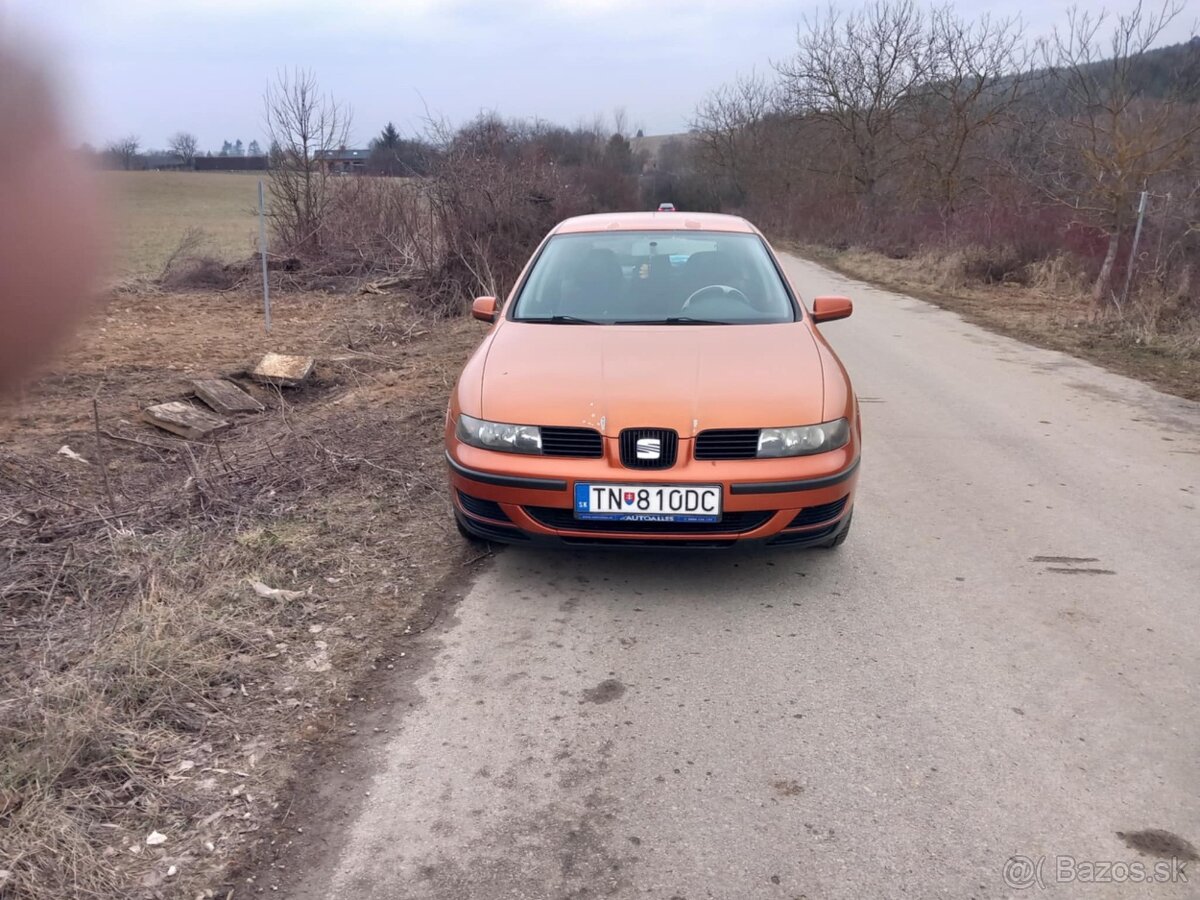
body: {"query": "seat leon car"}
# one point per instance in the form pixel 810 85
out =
pixel 654 380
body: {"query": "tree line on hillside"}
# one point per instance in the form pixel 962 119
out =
pixel 899 128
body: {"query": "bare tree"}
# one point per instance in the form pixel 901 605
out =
pixel 184 144
pixel 973 76
pixel 620 121
pixel 858 74
pixel 728 128
pixel 1110 143
pixel 124 151
pixel 305 127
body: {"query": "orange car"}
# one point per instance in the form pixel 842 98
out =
pixel 654 380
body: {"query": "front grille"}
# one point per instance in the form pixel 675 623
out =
pixel 482 509
pixel 576 442
pixel 727 443
pixel 668 447
pixel 732 523
pixel 815 515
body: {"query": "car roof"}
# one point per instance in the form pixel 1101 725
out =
pixel 654 221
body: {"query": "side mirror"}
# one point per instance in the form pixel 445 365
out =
pixel 484 309
pixel 826 309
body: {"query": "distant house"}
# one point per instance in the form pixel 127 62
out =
pixel 343 160
pixel 231 163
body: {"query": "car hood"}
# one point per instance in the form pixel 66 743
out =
pixel 686 377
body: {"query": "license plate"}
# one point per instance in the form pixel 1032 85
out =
pixel 648 502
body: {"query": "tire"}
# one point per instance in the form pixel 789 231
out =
pixel 468 535
pixel 840 537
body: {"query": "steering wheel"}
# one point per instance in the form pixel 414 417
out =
pixel 727 292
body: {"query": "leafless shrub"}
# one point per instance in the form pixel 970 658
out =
pixel 381 227
pixel 205 273
pixel 188 267
pixel 492 198
pixel 190 242
pixel 304 127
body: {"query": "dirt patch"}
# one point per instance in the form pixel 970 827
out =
pixel 155 702
pixel 605 692
pixel 788 787
pixel 1054 320
pixel 1164 844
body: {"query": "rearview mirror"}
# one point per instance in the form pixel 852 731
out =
pixel 826 309
pixel 484 309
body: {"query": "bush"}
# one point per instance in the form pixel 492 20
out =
pixel 995 265
pixel 202 273
pixel 492 191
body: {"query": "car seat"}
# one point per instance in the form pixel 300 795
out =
pixel 592 289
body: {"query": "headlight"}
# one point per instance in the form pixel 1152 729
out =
pixel 498 435
pixel 803 440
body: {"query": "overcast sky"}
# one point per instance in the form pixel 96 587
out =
pixel 153 67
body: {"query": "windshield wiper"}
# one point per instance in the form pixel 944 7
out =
pixel 674 320
pixel 565 320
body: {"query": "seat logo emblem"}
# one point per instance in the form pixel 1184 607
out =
pixel 649 448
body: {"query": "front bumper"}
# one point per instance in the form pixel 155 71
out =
pixel 532 501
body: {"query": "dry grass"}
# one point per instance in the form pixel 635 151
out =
pixel 1045 304
pixel 146 686
pixel 102 733
pixel 152 211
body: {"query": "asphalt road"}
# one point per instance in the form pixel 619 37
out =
pixel 1003 660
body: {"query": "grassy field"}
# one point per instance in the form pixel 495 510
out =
pixel 152 211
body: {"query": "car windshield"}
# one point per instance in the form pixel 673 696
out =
pixel 654 277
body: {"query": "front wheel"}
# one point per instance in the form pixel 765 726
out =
pixel 469 535
pixel 840 537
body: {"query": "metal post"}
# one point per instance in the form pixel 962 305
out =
pixel 1137 233
pixel 262 248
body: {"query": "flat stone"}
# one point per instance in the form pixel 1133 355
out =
pixel 285 371
pixel 184 419
pixel 225 397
